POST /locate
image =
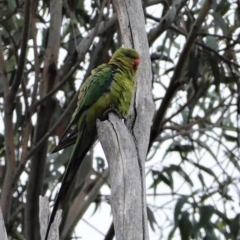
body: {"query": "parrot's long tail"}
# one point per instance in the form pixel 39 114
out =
pixel 81 148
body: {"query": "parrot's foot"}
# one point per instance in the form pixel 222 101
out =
pixel 113 110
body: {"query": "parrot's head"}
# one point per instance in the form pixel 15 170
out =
pixel 128 57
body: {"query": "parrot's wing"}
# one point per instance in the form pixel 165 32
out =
pixel 90 91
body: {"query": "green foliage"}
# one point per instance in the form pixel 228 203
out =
pixel 193 162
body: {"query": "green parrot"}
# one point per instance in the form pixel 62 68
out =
pixel 110 86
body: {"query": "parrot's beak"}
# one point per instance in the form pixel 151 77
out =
pixel 137 62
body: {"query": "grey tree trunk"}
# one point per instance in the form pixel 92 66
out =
pixel 44 214
pixel 3 234
pixel 126 148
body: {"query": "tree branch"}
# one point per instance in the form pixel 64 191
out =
pixel 7 188
pixel 39 144
pixel 36 60
pixel 44 214
pixel 165 22
pixel 45 111
pixel 81 204
pixel 21 60
pixel 78 55
pixel 176 78
pixel 3 234
pixel 125 174
pixel 204 46
pixel 68 69
pixel 134 35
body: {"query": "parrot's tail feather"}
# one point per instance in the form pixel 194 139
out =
pixel 74 164
pixel 66 141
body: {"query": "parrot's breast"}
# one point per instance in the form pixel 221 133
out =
pixel 121 93
pixel 118 96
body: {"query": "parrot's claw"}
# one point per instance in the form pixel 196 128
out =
pixel 114 110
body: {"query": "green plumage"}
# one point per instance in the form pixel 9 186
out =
pixel 109 86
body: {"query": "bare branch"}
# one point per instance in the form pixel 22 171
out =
pixel 165 22
pixel 36 60
pixel 125 173
pixel 176 78
pixel 3 73
pixel 7 189
pixel 44 214
pixel 134 35
pixel 3 234
pixel 39 144
pixel 21 60
pixel 78 55
pixel 204 46
pixel 81 204
pixel 68 70
pixel 154 2
pixel 45 111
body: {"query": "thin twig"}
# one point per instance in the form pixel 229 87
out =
pixel 83 47
pixel 7 188
pixel 89 224
pixel 9 15
pixel 179 110
pixel 23 52
pixel 204 46
pixel 36 60
pixel 176 78
pixel 218 36
pixel 165 22
pixel 44 138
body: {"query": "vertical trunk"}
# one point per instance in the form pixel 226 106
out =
pixel 9 98
pixel 126 152
pixel 44 114
pixel 127 191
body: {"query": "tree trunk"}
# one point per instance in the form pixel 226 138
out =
pixel 125 151
pixel 45 111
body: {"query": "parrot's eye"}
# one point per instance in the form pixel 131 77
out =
pixel 128 55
